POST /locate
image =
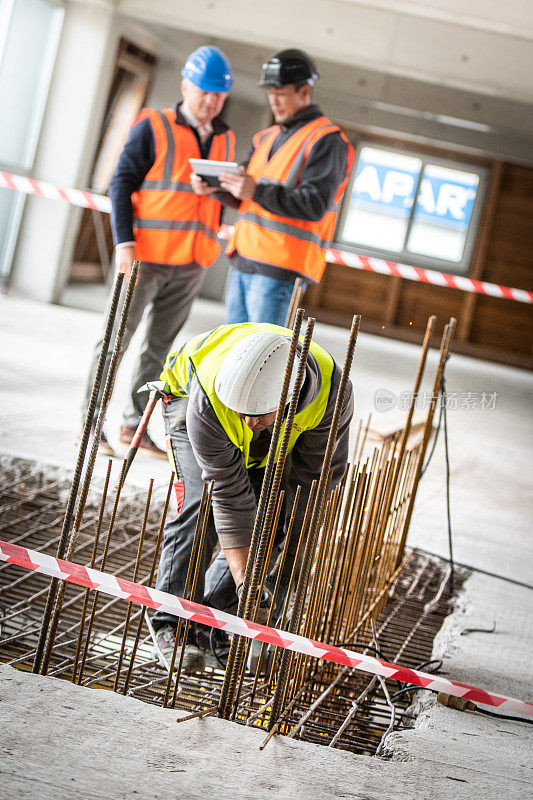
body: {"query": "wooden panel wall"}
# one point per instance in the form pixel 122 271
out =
pixel 492 328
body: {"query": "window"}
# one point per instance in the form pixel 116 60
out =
pixel 413 208
pixel 29 35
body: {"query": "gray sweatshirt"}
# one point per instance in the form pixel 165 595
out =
pixel 234 502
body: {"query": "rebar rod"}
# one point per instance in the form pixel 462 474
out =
pixel 102 567
pixel 73 493
pixel 150 580
pixel 277 584
pixel 91 564
pixel 407 428
pixel 363 440
pixel 187 586
pixel 294 570
pixel 134 579
pixel 294 303
pixel 98 427
pixel 196 560
pixel 249 642
pixel 316 518
pixel 265 504
pixel 443 354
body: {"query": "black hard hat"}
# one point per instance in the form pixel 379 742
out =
pixel 288 66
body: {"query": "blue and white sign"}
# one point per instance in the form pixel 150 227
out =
pixel 386 181
pixel 382 200
pixel 446 197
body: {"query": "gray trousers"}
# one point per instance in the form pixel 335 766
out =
pixel 167 292
pixel 215 586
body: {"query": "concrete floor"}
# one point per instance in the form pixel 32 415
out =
pixel 59 740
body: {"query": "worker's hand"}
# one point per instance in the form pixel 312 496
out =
pixel 240 186
pixel 200 186
pixel 124 258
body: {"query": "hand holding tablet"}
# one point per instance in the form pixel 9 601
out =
pixel 209 171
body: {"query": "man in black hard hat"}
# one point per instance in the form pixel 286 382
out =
pixel 287 195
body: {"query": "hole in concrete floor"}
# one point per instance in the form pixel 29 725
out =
pixel 354 715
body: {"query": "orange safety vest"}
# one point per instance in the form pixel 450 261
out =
pixel 172 224
pixel 295 244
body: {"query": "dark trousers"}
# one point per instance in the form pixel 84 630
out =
pixel 166 293
pixel 215 586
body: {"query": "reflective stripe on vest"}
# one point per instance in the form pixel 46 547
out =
pixel 298 245
pixel 171 224
pixel 203 356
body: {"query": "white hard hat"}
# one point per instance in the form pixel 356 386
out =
pixel 250 377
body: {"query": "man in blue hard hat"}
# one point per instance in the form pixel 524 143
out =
pixel 158 219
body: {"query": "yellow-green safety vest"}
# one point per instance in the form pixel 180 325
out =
pixel 203 356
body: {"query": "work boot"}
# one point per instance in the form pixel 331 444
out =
pixel 193 657
pixel 147 444
pixel 104 447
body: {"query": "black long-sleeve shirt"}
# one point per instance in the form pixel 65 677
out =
pixel 323 172
pixel 136 160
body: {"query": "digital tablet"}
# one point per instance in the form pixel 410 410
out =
pixel 210 170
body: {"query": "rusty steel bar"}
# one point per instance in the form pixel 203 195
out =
pixel 102 567
pixel 228 686
pixel 363 440
pixel 71 502
pixel 446 340
pixel 295 569
pixel 256 584
pixel 407 429
pixel 316 519
pixel 194 584
pixel 277 584
pixel 248 644
pixel 91 564
pixel 150 581
pixel 98 427
pixel 296 297
pixel 269 489
pixel 196 559
pixel 191 566
pixel 134 579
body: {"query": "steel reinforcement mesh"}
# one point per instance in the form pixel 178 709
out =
pixel 336 706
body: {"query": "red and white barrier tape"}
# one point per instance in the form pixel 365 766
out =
pixel 76 197
pixel 9 180
pixel 153 598
pixel 428 276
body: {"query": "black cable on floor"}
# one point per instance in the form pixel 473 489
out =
pixel 503 716
pixel 376 650
pixel 477 708
pixel 477 569
pixel 443 416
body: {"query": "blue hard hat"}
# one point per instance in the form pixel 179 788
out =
pixel 209 69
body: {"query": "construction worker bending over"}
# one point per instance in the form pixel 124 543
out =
pixel 287 195
pixel 232 377
pixel 158 219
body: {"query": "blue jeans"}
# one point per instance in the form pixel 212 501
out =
pixel 257 298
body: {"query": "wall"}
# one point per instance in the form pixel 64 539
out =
pixel 493 328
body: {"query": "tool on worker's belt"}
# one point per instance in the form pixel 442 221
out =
pixel 157 389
